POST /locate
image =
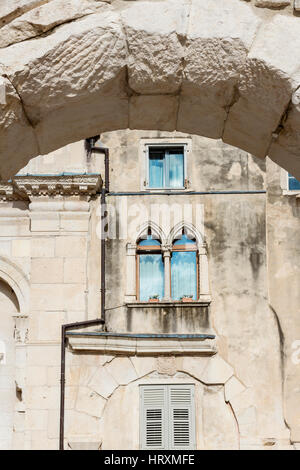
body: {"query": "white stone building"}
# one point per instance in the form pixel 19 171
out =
pixel 199 346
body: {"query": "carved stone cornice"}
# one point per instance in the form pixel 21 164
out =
pixel 58 185
pixel 8 192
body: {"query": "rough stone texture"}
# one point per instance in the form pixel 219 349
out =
pixel 272 3
pixel 46 17
pixel 222 69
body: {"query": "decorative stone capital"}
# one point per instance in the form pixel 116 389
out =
pixel 166 250
pixel 131 249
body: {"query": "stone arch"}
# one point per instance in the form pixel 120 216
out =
pixel 190 230
pixel 221 69
pixel 17 280
pixel 156 230
pixel 113 387
pixel 8 311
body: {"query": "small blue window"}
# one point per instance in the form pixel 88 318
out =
pixel 184 269
pixel 151 270
pixel 166 167
pixel 294 184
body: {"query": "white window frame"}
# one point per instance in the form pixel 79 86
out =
pixel 167 428
pixel 145 144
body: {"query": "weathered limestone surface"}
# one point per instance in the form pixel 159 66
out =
pixel 283 233
pixel 221 69
pixel 40 20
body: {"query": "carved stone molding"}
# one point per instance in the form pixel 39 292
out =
pixel 143 345
pixel 25 186
pixel 63 185
pixel 7 192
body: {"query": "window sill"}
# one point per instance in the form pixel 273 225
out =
pixel 164 190
pixel 166 303
pixel 295 193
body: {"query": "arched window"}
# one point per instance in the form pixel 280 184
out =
pixel 150 269
pixel 184 269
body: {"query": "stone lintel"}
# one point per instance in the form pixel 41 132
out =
pixel 143 345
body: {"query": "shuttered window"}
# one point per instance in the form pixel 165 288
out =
pixel 167 417
pixel 293 183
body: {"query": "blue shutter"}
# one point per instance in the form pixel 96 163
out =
pixel 294 184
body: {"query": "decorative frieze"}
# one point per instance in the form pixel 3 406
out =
pixel 58 185
pixel 23 187
pixel 7 192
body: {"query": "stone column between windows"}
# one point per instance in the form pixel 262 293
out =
pixel 167 263
pixel 204 291
pixel 131 273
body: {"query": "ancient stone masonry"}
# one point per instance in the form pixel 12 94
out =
pixel 223 69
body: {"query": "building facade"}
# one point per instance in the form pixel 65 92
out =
pixel 200 345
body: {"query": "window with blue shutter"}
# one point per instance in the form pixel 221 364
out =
pixel 167 417
pixel 293 183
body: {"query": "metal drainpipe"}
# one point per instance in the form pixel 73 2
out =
pixel 89 144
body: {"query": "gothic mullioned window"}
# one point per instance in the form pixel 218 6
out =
pixel 171 268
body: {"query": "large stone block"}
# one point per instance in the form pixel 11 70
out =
pixel 44 18
pixel 21 248
pixel 89 402
pixel 103 383
pixel 155 48
pixel 43 247
pixel 42 398
pixel 220 430
pixel 217 371
pixel 71 247
pixel 47 270
pixel 74 270
pixel 122 370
